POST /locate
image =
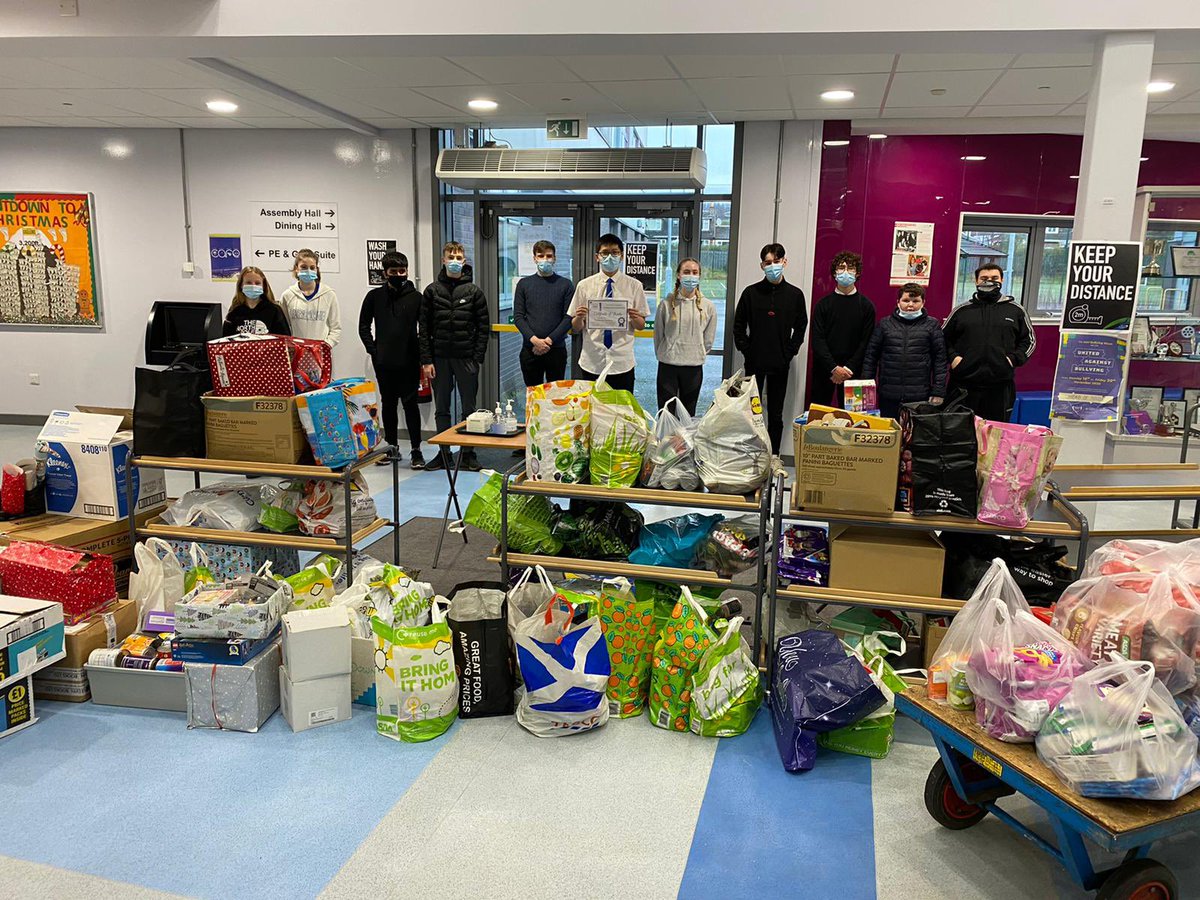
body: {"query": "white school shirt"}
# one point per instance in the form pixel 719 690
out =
pixel 595 356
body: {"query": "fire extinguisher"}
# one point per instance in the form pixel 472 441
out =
pixel 425 389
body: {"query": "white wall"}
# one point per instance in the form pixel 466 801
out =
pixel 754 211
pixel 139 222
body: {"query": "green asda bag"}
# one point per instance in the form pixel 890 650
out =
pixel 677 653
pixel 726 687
pixel 872 736
pixel 529 518
pixel 620 430
pixel 628 625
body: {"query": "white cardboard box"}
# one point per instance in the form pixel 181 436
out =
pixel 87 464
pixel 309 704
pixel 316 643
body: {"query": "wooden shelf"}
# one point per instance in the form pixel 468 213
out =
pixel 1097 493
pixel 242 467
pixel 842 597
pixel 157 528
pixel 617 567
pixel 651 496
pixel 1061 530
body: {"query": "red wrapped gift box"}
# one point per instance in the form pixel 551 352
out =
pixel 251 365
pixel 84 583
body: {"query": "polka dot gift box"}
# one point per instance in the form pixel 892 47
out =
pixel 84 583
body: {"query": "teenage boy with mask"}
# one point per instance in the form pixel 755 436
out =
pixel 609 347
pixel 387 325
pixel 987 338
pixel 455 328
pixel 768 329
pixel 842 324
pixel 542 313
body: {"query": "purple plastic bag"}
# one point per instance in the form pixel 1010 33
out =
pixel 818 687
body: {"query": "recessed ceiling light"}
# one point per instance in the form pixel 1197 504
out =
pixel 837 95
pixel 876 137
pixel 973 158
pixel 117 150
pixel 221 106
pixel 482 105
pixel 836 143
pixel 1159 87
pixel 1143 158
pixel 1074 177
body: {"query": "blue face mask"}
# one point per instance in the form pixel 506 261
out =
pixel 774 272
pixel 454 267
pixel 610 265
pixel 690 282
pixel 545 266
pixel 910 313
pixel 308 276
pixel 253 291
pixel 845 279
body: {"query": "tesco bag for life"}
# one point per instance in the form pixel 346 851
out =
pixel 157 582
pixel 558 418
pixel 733 449
pixel 726 688
pixel 565 667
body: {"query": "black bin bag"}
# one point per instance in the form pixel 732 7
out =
pixel 168 415
pixel 937 460
pixel 483 656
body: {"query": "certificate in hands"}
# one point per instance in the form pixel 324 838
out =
pixel 608 315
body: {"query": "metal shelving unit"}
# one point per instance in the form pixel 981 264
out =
pixel 343 546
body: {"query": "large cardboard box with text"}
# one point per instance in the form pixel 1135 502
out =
pixel 67 679
pixel 846 469
pixel 86 466
pixel 253 429
pixel 886 561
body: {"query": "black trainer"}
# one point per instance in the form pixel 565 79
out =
pixel 470 461
pixel 418 460
pixel 386 460
pixel 440 461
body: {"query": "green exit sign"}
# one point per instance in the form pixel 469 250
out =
pixel 566 129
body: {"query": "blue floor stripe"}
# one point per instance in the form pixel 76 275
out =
pixel 134 796
pixel 764 832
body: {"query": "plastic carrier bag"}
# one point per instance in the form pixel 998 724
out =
pixel 529 517
pixel 558 433
pixel 872 735
pixel 673 542
pixel 416 690
pixel 1117 733
pixel 226 506
pixel 322 508
pixel 527 595
pixel 670 462
pixel 628 625
pixel 158 581
pixel 681 643
pixel 726 687
pixel 598 529
pixel 733 449
pixel 620 429
pixel 279 505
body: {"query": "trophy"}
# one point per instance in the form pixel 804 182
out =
pixel 1155 250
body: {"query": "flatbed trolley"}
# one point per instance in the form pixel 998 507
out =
pixel 976 770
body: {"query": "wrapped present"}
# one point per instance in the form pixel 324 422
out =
pixel 248 607
pixel 252 365
pixel 341 421
pixel 224 562
pixel 234 698
pixel 84 583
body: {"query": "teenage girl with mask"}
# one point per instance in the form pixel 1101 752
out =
pixel 684 331
pixel 254 310
pixel 909 352
pixel 312 307
pixel 842 323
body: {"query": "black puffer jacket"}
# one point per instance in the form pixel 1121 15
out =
pixel 910 355
pixel 454 319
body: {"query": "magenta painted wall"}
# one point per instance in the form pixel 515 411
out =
pixel 869 185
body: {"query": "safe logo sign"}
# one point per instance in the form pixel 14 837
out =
pixel 1101 289
pixel 225 256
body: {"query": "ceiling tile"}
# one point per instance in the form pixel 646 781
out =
pixel 664 97
pixel 139 122
pixel 924 112
pixel 299 72
pixel 207 122
pixel 454 97
pixel 619 68
pixel 842 63
pixel 74 122
pixel 942 62
pixel 839 113
pixel 1049 60
pixel 1075 109
pixel 1035 86
pixel 16 121
pixel 411 71
pixel 911 89
pixel 1186 78
pixel 250 102
pixel 515 69
pixel 280 122
pixel 356 101
pixel 806 90
pixel 70 72
pixel 740 93
pixel 1033 109
pixel 547 99
pixel 392 122
pixel 1186 108
pixel 40 103
pixel 143 103
pixel 706 66
pixel 1177 56
pixel 754 115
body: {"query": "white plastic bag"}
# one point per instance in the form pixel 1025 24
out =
pixel 671 453
pixel 322 510
pixel 527 596
pixel 733 448
pixel 157 582
pixel 565 668
pixel 227 506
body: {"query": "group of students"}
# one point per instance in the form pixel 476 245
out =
pixel 443 334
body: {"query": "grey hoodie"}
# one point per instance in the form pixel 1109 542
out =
pixel 316 317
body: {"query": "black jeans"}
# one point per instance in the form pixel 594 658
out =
pixel 993 402
pixel 621 382
pixel 399 387
pixel 451 373
pixel 680 381
pixel 772 387
pixel 549 366
pixel 824 392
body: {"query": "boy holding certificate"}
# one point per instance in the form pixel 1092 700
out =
pixel 608 308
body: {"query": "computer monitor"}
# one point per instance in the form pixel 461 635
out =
pixel 177 325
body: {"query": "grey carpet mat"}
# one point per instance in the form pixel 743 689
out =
pixel 459 562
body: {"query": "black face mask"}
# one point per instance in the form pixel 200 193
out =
pixel 397 282
pixel 988 289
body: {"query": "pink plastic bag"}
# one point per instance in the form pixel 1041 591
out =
pixel 1014 461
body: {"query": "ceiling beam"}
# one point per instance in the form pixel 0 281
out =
pixel 250 79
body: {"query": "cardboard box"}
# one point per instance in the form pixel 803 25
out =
pixel 319 701
pixel 67 679
pixel 931 640
pixel 111 538
pixel 316 643
pixel 254 429
pixel 230 652
pixel 31 637
pixel 886 561
pixel 16 707
pixel 233 698
pixel 362 671
pixel 846 469
pixel 87 464
pixel 125 414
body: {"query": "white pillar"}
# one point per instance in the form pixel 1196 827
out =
pixel 1108 180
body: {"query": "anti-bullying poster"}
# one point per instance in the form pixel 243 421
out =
pixel 1087 382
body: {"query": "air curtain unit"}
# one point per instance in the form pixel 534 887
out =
pixel 494 168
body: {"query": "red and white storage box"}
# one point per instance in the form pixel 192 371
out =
pixel 84 583
pixel 268 365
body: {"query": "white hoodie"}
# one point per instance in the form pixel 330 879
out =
pixel 316 317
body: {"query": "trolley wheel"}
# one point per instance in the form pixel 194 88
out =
pixel 947 808
pixel 1142 879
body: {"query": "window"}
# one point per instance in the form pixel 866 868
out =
pixel 718 150
pixel 1004 246
pixel 1161 291
pixel 460 226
